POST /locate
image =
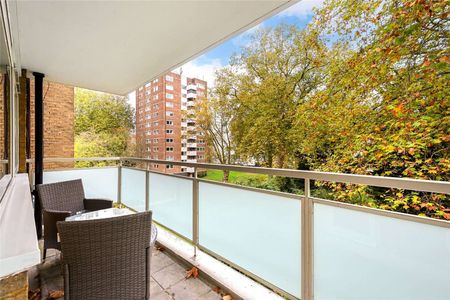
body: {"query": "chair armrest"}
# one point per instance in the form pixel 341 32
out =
pixel 56 215
pixel 97 204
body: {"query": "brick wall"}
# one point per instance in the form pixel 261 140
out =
pixel 58 122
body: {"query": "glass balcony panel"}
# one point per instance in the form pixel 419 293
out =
pixel 97 182
pixel 358 255
pixel 133 188
pixel 171 202
pixel 258 231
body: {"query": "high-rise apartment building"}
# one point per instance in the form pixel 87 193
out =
pixel 166 127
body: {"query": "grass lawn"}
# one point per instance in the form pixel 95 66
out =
pixel 217 175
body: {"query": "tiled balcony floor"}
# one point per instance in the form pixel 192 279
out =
pixel 167 279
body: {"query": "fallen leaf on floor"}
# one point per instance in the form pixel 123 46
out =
pixel 192 273
pixel 227 297
pixel 34 294
pixel 55 294
pixel 160 248
pixel 217 290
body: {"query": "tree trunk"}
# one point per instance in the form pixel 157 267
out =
pixel 226 175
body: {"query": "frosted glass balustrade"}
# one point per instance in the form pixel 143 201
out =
pixel 364 256
pixel 258 231
pixel 133 188
pixel 97 182
pixel 171 202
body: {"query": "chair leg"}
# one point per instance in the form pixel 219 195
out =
pixel 45 253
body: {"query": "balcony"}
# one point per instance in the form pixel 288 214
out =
pixel 191 95
pixel 353 245
pixel 253 243
pixel 193 145
pixel 192 153
pixel 191 87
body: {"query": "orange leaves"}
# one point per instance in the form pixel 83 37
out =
pixel 411 151
pixel 193 272
pixel 426 63
pixel 34 294
pixel 55 294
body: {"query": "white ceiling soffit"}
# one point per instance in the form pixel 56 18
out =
pixel 116 46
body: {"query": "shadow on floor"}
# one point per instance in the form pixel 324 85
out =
pixel 167 279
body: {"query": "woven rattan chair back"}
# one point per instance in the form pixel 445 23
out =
pixel 107 258
pixel 62 196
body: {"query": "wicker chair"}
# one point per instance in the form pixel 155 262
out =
pixel 60 200
pixel 107 258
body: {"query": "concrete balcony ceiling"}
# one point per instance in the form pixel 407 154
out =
pixel 110 45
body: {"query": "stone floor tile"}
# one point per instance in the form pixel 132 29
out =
pixel 188 289
pixel 169 275
pixel 211 295
pixel 159 260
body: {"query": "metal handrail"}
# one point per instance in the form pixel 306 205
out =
pixel 432 186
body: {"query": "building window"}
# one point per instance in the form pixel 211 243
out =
pixel 155 141
pixel 169 104
pixel 169 113
pixel 155 97
pixel 169 166
pixel 169 78
pixel 201 157
pixel 169 158
pixel 155 81
pixel 155 149
pixel 169 131
pixel 169 149
pixel 169 122
pixel 147 85
pixel 155 88
pixel 169 96
pixel 169 140
pixel 169 87
pixel 155 165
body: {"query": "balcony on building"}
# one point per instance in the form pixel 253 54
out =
pixel 191 95
pixel 191 88
pixel 250 243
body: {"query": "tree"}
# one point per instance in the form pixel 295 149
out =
pixel 103 123
pixel 393 84
pixel 272 76
pixel 362 89
pixel 214 117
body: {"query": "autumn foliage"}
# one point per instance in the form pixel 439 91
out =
pixel 363 89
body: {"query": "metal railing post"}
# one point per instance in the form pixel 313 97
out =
pixel 147 190
pixel 307 240
pixel 195 220
pixel 119 183
pixel 30 174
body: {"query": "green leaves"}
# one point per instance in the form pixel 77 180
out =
pixel 363 89
pixel 102 125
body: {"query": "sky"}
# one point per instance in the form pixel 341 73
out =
pixel 204 66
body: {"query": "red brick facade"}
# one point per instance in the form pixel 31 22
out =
pixel 161 121
pixel 58 122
